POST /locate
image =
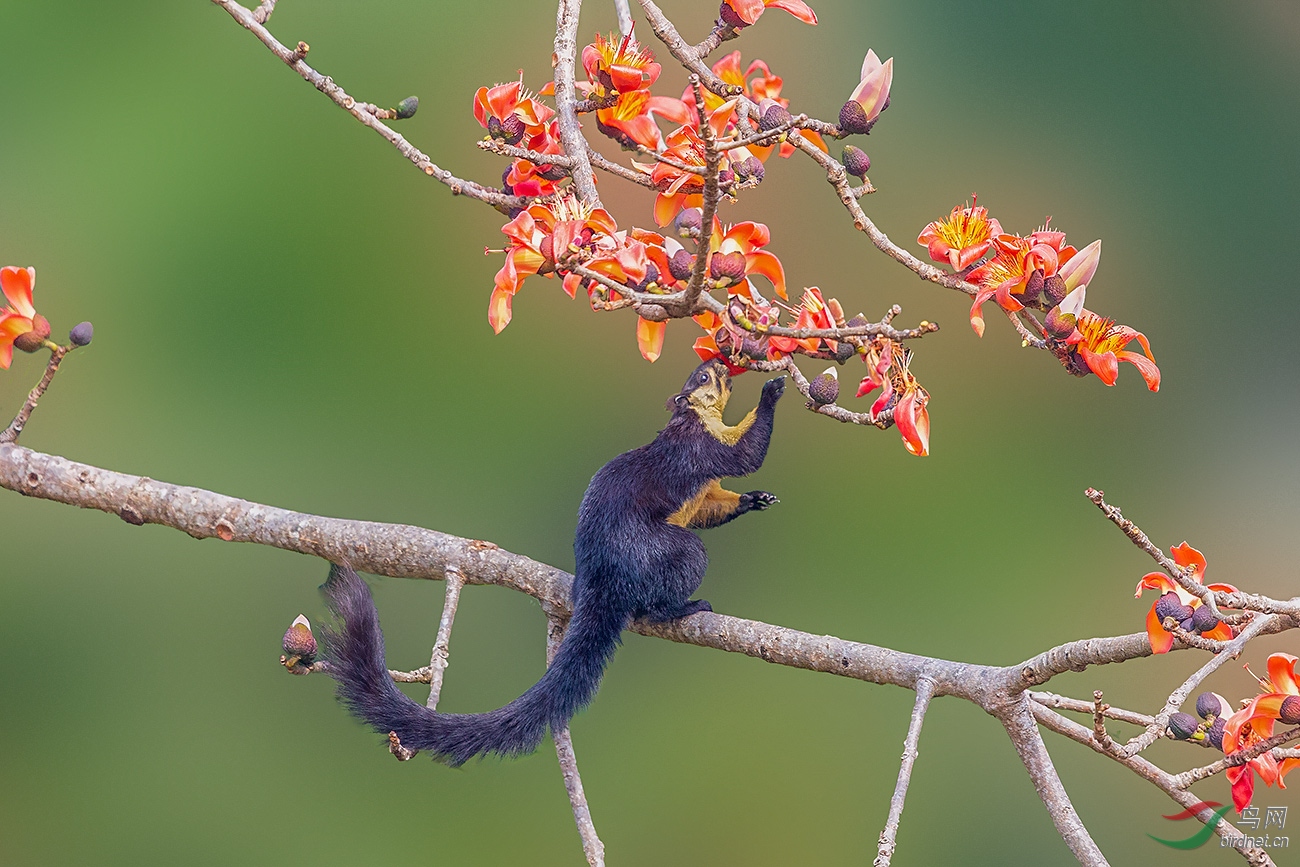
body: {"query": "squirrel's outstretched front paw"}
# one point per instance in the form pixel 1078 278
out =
pixel 758 500
pixel 774 388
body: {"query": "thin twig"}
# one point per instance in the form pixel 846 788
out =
pixel 439 659
pixel 592 847
pixel 712 162
pixel 1241 757
pixel 15 428
pixel 889 836
pixel 1051 699
pixel 326 85
pixel 1156 730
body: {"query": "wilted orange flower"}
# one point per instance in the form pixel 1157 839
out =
pixel 742 13
pixel 539 236
pixel 962 238
pixel 1184 606
pixel 1254 723
pixel 508 112
pixel 19 322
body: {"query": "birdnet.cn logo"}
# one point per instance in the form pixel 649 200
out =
pixel 1251 817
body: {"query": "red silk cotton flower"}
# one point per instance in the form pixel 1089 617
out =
pixel 742 13
pixel 20 324
pixel 1178 603
pixel 1254 723
pixel 962 238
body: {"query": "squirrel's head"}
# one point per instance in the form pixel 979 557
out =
pixel 706 390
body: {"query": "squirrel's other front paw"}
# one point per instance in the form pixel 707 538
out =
pixel 759 500
pixel 774 388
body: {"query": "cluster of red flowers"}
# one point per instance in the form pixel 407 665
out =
pixel 1223 728
pixel 1038 270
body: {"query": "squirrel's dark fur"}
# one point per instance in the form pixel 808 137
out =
pixel 635 558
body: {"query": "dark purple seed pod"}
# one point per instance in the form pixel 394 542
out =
pixel 857 322
pixel 1289 713
pixel 82 334
pixel 730 18
pixel 1183 725
pixel 856 162
pixel 726 176
pixel 727 268
pixel 1210 704
pixel 844 351
pixel 754 347
pixel 825 387
pixel 681 265
pixel 1033 287
pixel 853 119
pixel 1214 734
pixel 407 107
pixel 1054 290
pixel 775 116
pixel 688 222
pixel 552 173
pixel 651 277
pixel 1169 605
pixel 1185 624
pixel 754 168
pixel 1203 619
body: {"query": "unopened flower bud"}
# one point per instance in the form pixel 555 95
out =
pixel 844 351
pixel 1185 624
pixel 681 265
pixel 1059 325
pixel 1183 726
pixel 853 119
pixel 857 321
pixel 407 107
pixel 726 176
pixel 775 116
pixel 1203 619
pixel 825 387
pixel 1214 734
pixel 1289 713
pixel 855 160
pixel 1210 704
pixel 1169 605
pixel 82 334
pixel 688 222
pixel 727 268
pixel 1054 290
pixel 299 643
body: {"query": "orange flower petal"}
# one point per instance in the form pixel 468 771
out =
pixel 1161 641
pixel 17 285
pixel 650 338
pixel 767 265
pixel 1281 671
pixel 499 313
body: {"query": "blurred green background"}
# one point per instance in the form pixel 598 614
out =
pixel 287 311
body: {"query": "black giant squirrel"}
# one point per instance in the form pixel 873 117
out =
pixel 636 557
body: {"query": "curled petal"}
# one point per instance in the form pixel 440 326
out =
pixel 650 338
pixel 767 265
pixel 499 309
pixel 1146 367
pixel 797 8
pixel 1154 581
pixel 1243 786
pixel 1281 671
pixel 1185 555
pixel 913 424
pixel 1161 641
pixel 17 285
pixel 1105 365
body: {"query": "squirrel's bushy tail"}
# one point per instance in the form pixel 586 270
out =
pixel 355 652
